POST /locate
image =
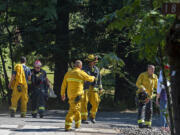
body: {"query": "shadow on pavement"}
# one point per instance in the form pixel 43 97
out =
pixel 44 121
pixel 55 118
pixel 35 130
pixel 2 115
pixel 40 130
pixel 121 118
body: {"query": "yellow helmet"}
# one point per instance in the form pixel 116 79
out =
pixel 92 58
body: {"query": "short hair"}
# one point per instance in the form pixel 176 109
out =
pixel 151 66
pixel 23 59
pixel 78 63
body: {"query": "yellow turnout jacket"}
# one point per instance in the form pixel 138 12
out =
pixel 73 81
pixel 20 78
pixel 147 82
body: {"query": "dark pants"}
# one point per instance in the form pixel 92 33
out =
pixel 145 110
pixel 39 99
pixel 163 111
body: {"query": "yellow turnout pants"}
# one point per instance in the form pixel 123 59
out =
pixel 16 95
pixel 73 114
pixel 92 97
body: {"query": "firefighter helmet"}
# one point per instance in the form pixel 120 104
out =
pixel 37 63
pixel 92 58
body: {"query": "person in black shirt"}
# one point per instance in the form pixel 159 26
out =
pixel 39 89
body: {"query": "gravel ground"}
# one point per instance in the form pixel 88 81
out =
pixel 125 123
pixel 121 123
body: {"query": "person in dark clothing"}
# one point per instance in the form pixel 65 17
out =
pixel 39 89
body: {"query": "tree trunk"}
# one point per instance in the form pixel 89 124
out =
pixel 1 87
pixel 9 38
pixel 61 49
pixel 6 77
pixel 173 50
pixel 175 81
pixel 120 89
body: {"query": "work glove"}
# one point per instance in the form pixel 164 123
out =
pixel 143 97
pixel 77 99
pixel 19 88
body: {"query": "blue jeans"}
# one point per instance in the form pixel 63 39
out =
pixel 163 111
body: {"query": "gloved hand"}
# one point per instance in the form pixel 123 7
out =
pixel 147 100
pixel 19 88
pixel 100 91
pixel 77 99
pixel 96 76
pixel 63 97
pixel 157 99
pixel 143 89
pixel 143 97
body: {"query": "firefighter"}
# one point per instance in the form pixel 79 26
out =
pixel 146 84
pixel 74 81
pixel 91 90
pixel 18 84
pixel 39 90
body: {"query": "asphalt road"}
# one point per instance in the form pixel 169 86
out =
pixel 108 123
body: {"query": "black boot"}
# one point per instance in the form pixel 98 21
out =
pixel 92 120
pixel 68 130
pixel 23 115
pixel 34 115
pixel 141 125
pixel 41 114
pixel 12 113
pixel 147 126
pixel 85 122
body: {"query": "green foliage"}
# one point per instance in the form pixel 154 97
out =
pixel 146 29
pixel 112 62
pixel 108 81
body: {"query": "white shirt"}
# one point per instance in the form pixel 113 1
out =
pixel 160 83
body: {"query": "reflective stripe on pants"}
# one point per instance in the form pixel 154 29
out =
pixel 147 109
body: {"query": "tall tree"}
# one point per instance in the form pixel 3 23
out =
pixel 61 50
pixel 173 49
pixel 5 76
